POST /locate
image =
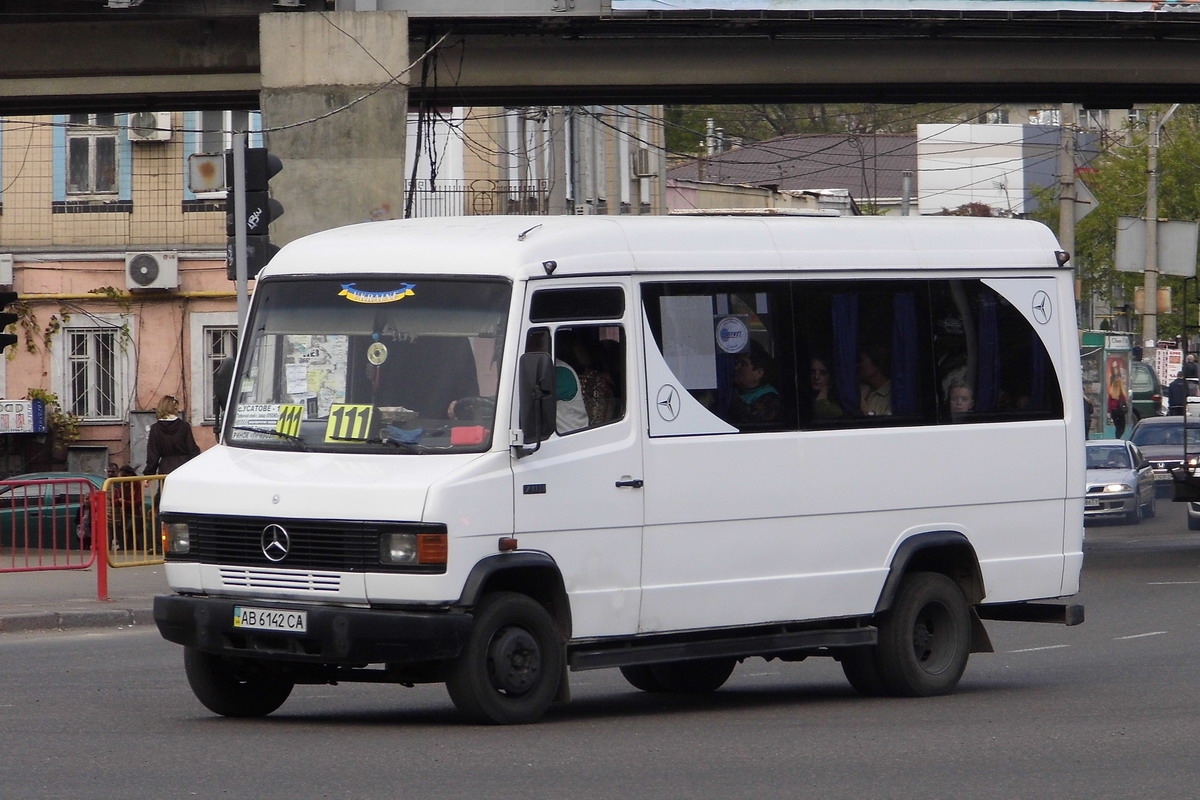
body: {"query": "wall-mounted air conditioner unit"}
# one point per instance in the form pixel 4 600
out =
pixel 150 126
pixel 151 270
pixel 643 162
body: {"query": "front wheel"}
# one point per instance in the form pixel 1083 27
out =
pixel 924 638
pixel 510 669
pixel 235 687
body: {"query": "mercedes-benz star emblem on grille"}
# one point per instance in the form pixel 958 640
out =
pixel 275 543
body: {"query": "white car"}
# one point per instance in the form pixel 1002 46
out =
pixel 1120 481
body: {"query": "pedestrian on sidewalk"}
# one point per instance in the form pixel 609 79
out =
pixel 170 443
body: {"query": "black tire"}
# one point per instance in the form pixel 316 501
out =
pixel 1135 516
pixel 1193 523
pixel 235 687
pixel 706 675
pixel 641 676
pixel 1150 511
pixel 510 669
pixel 924 638
pixel 861 669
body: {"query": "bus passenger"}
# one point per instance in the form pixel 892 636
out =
pixel 960 398
pixel 875 387
pixel 754 398
pixel 821 380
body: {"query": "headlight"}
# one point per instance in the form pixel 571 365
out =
pixel 1116 487
pixel 176 538
pixel 413 548
pixel 1194 462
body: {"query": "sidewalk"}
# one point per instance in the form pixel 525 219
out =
pixel 66 599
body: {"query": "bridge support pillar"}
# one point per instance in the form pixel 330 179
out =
pixel 335 104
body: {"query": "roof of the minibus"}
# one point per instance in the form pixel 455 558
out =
pixel 520 246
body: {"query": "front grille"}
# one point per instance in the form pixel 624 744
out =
pixel 341 545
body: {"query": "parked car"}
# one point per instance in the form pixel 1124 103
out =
pixel 1167 442
pixel 1145 391
pixel 44 509
pixel 1120 481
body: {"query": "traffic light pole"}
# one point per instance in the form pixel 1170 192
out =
pixel 239 217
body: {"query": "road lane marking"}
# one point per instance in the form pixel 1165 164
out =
pixel 1036 649
pixel 1173 583
pixel 1139 635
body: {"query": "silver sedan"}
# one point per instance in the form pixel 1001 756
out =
pixel 1120 481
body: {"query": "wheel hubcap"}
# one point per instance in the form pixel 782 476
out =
pixel 931 633
pixel 514 660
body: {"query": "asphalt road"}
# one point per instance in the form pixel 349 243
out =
pixel 1107 709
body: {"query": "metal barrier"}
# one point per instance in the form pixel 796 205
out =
pixel 47 524
pixel 130 521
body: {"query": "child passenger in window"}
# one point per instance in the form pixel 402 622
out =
pixel 754 398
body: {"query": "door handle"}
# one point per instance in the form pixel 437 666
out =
pixel 633 483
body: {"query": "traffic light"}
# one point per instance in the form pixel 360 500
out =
pixel 261 209
pixel 7 318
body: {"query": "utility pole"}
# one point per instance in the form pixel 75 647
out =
pixel 1066 179
pixel 1150 287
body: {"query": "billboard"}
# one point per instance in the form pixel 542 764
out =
pixel 1089 6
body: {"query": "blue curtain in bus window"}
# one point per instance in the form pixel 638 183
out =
pixel 904 354
pixel 1037 378
pixel 845 351
pixel 988 374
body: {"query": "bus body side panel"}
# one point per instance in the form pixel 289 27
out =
pixel 803 525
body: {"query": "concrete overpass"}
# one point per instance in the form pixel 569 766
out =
pixel 58 55
pixel 332 86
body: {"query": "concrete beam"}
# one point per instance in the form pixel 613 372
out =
pixel 335 103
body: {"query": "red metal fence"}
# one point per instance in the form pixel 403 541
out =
pixel 75 523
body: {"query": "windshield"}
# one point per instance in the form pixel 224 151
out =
pixel 1166 434
pixel 1107 457
pixel 396 365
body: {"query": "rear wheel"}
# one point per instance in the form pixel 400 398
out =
pixel 235 687
pixel 862 670
pixel 924 638
pixel 509 672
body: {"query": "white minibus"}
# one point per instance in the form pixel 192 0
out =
pixel 491 451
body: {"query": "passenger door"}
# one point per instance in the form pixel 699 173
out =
pixel 579 497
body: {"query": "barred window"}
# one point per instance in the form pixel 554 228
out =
pixel 220 343
pixel 92 379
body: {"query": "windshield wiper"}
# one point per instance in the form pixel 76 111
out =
pixel 271 432
pixel 405 446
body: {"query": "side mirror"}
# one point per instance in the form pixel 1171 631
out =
pixel 536 400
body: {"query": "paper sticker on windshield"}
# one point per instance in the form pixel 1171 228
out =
pixel 359 296
pixel 289 419
pixel 256 420
pixel 349 422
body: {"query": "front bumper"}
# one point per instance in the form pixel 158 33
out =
pixel 1108 505
pixel 334 635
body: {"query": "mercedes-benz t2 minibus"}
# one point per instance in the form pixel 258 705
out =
pixel 492 451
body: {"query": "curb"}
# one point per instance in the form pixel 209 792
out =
pixel 69 620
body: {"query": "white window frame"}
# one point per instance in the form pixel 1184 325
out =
pixel 92 133
pixel 124 362
pixel 200 405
